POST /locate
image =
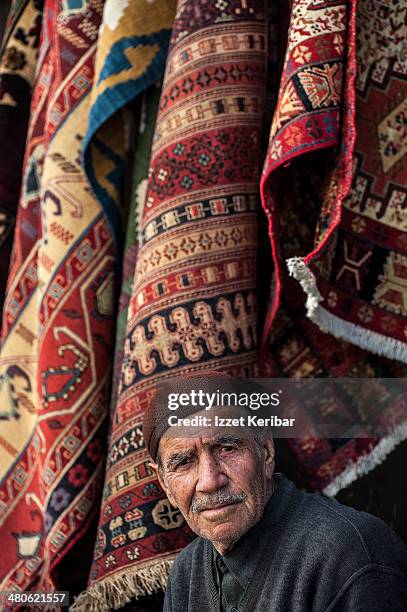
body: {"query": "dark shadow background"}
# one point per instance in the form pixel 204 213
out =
pixel 4 8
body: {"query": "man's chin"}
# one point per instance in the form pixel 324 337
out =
pixel 223 536
pixel 221 525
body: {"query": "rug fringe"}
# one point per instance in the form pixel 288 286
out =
pixel 115 591
pixel 300 271
pixel 364 338
pixel 369 462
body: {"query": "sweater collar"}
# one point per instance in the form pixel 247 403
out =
pixel 269 529
pixel 242 560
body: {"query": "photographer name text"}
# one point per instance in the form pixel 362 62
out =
pixel 217 421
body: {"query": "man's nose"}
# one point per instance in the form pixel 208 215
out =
pixel 210 474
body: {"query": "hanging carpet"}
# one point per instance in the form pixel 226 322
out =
pixel 194 294
pixel 335 163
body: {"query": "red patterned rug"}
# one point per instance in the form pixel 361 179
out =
pixel 341 225
pixel 362 274
pixel 299 349
pixel 57 331
pixel 194 295
pixel 355 277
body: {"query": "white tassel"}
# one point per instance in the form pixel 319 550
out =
pixel 300 271
pixel 367 463
pixel 364 338
pixel 115 591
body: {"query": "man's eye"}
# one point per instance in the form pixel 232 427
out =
pixel 228 448
pixel 183 463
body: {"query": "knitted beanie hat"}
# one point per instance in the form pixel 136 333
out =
pixel 155 422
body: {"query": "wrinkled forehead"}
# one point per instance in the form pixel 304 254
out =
pixel 203 439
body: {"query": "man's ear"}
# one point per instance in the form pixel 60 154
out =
pixel 268 446
pixel 163 483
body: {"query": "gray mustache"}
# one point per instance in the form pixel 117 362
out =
pixel 220 498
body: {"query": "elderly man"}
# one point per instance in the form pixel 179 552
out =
pixel 264 545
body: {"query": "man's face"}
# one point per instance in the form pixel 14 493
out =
pixel 221 482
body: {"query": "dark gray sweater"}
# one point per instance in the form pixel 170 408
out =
pixel 316 555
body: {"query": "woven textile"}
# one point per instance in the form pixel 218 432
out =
pixel 17 68
pixel 132 48
pixel 141 164
pixel 352 258
pixel 55 372
pixel 311 112
pixel 194 294
pixel 57 330
pixel 355 277
pixel 362 276
pixel 298 350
